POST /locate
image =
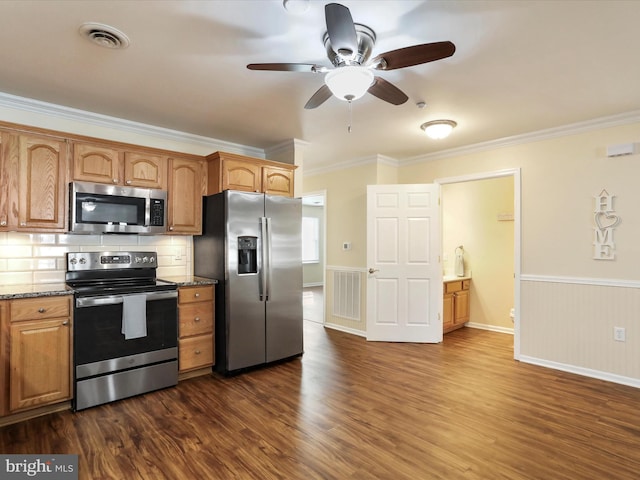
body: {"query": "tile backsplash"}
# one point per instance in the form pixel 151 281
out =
pixel 27 258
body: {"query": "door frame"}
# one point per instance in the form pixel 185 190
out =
pixel 323 252
pixel 517 236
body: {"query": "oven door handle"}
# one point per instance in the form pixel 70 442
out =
pixel 116 299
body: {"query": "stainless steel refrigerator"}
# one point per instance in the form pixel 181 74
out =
pixel 251 243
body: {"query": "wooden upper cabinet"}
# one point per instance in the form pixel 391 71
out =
pixel 241 175
pixel 143 170
pixel 277 181
pixel 95 163
pixel 92 163
pixel 33 183
pixel 228 171
pixel 186 180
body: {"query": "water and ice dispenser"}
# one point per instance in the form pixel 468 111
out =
pixel 247 255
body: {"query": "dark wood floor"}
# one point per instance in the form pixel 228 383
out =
pixel 349 409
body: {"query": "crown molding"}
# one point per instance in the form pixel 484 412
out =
pixel 60 111
pixel 356 162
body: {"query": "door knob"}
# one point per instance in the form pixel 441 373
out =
pixel 373 270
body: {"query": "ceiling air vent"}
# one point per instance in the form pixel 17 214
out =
pixel 104 35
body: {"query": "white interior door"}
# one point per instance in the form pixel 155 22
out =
pixel 404 283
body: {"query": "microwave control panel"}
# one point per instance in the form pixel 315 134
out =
pixel 156 215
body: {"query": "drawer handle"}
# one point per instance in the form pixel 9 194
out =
pixel 197 319
pixel 197 352
pixel 197 295
pixel 42 310
pixel 65 323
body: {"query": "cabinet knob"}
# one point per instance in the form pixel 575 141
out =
pixel 3 223
pixel 197 295
pixel 42 310
pixel 197 319
pixel 65 323
pixel 23 224
pixel 128 182
pixel 171 229
pixel 115 180
pixel 197 352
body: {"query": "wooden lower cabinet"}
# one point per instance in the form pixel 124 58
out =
pixel 39 344
pixel 455 304
pixel 196 327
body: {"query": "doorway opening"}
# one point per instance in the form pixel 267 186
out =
pixel 483 260
pixel 313 255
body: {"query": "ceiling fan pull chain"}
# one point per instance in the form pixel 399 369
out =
pixel 350 116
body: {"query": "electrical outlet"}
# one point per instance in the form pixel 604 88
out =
pixel 619 334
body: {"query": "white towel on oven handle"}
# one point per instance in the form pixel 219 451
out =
pixel 134 316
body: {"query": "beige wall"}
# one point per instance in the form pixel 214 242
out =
pixel 472 216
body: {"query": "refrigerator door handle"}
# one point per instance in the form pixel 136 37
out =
pixel 267 272
pixel 263 284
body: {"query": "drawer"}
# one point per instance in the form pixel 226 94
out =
pixel 195 294
pixel 41 307
pixel 466 284
pixel 196 352
pixel 451 287
pixel 195 318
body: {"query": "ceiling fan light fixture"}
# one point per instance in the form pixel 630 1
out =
pixel 350 82
pixel 438 129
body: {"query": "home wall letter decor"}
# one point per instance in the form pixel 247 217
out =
pixel 604 248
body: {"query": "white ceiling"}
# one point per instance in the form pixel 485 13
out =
pixel 519 67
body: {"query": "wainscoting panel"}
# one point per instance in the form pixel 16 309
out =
pixel 572 323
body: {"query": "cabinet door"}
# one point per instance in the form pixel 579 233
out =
pixel 241 175
pixel 40 367
pixel 185 196
pixel 9 168
pixel 42 184
pixel 4 358
pixel 461 311
pixel 277 181
pixel 96 164
pixel 447 312
pixel 142 170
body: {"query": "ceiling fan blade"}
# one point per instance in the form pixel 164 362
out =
pixel 341 30
pixel 387 91
pixel 322 95
pixel 288 67
pixel 415 55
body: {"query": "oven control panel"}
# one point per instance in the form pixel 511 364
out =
pixel 107 260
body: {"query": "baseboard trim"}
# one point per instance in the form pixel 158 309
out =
pixel 344 329
pixel 312 284
pixel 586 372
pixel 491 328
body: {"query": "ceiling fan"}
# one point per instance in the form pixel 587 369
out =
pixel 349 46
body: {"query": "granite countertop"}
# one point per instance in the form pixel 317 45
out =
pixel 188 280
pixel 8 292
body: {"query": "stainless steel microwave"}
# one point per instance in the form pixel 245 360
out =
pixel 99 208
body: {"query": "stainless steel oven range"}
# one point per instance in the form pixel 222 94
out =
pixel 125 332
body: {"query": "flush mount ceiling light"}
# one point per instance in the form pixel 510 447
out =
pixel 438 129
pixel 104 35
pixel 350 82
